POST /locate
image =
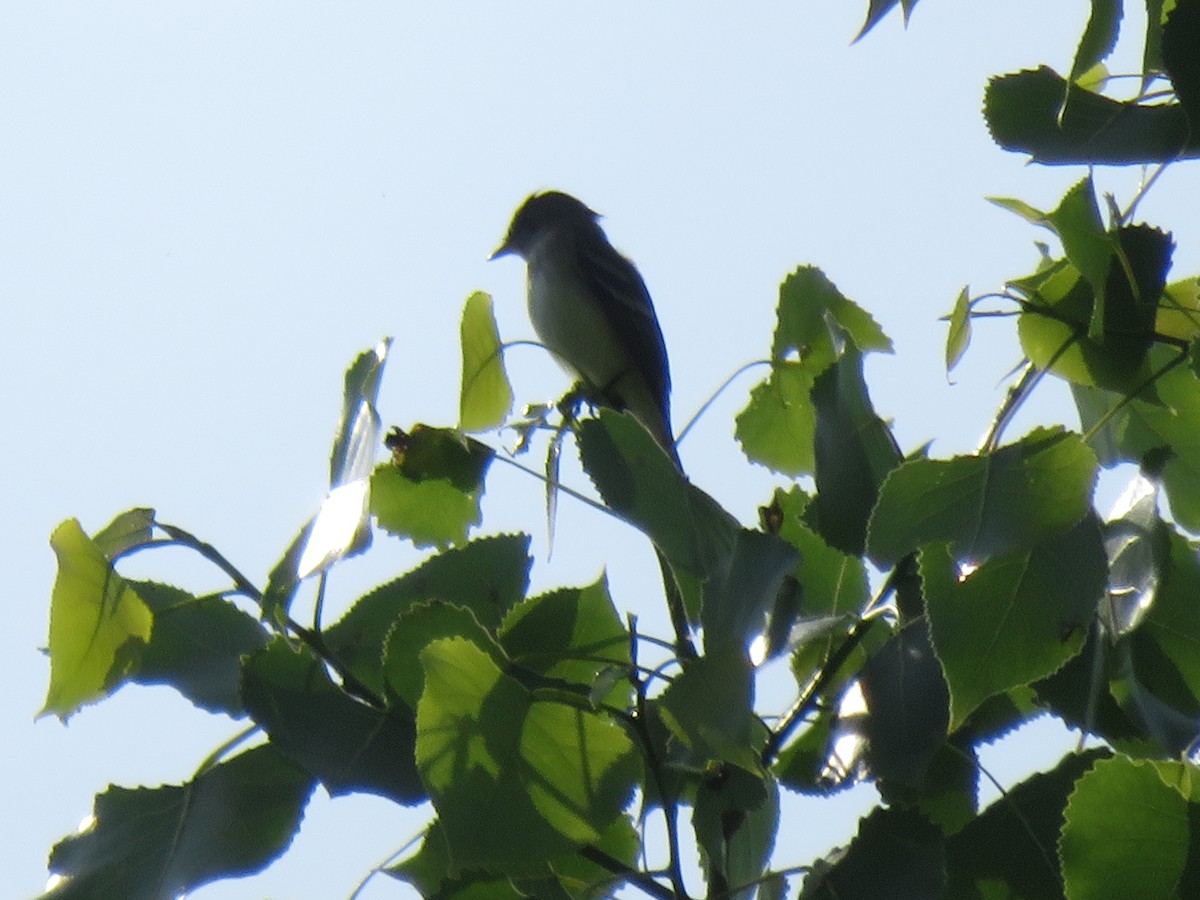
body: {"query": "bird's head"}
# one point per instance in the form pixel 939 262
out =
pixel 540 215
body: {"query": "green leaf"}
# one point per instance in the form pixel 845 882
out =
pixel 988 504
pixel 1009 848
pixel 1030 214
pixel 1128 430
pixel 1180 37
pixel 907 707
pixel 347 744
pixel 1025 113
pixel 709 708
pixel 517 782
pixel 487 576
pixel 834 583
pixel 958 337
pixel 432 497
pixel 1087 245
pixel 736 818
pixel 340 527
pixel 740 591
pixel 1016 618
pixel 128 531
pixel 776 428
pixel 736 573
pixel 1171 623
pixel 486 396
pixel 1099 37
pixel 1179 310
pixel 572 635
pixel 1140 852
pixel 855 451
pixel 432 873
pixel 98 624
pixel 896 853
pixel 197 646
pixel 149 843
pixel 639 481
pixel 416 628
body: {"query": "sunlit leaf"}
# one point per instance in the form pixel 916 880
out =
pixel 98 624
pixel 776 428
pixel 340 526
pixel 517 782
pixel 486 396
pixel 432 495
pixel 958 336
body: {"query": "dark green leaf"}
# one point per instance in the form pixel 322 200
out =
pixel 1171 620
pixel 1180 38
pixel 487 576
pixel 736 817
pixel 1099 37
pixel 896 853
pixel 739 593
pixel 347 744
pixel 709 708
pixel 197 646
pixel 1014 841
pixel 1024 113
pixel 151 843
pixel 907 707
pixel 985 505
pixel 877 9
pixel 854 450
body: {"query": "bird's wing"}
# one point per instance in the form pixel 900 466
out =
pixel 626 303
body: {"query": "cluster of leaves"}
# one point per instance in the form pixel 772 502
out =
pixel 545 728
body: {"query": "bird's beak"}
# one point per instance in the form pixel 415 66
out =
pixel 503 250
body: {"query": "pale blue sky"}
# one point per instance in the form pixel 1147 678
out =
pixel 207 210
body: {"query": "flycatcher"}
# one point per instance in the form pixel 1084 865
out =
pixel 590 307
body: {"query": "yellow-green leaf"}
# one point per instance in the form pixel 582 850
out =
pixel 96 619
pixel 486 396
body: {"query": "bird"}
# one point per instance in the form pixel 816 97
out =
pixel 590 308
